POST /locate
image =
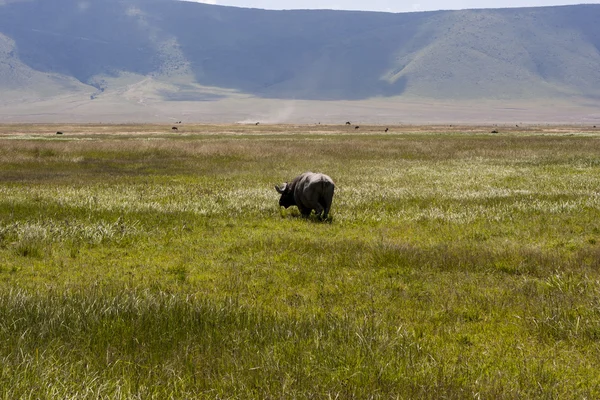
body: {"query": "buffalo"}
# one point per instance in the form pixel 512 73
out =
pixel 309 191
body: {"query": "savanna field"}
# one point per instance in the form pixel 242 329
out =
pixel 142 262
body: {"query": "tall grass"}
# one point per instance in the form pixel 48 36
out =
pixel 141 264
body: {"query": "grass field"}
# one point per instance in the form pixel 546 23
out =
pixel 139 262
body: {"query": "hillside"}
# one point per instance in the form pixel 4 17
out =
pixel 163 51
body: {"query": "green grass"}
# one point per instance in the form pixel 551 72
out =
pixel 141 264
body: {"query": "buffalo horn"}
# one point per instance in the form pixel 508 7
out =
pixel 280 190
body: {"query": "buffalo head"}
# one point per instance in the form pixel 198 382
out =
pixel 287 195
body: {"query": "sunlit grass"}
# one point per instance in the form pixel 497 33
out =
pixel 135 263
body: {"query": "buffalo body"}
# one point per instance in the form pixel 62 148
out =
pixel 309 191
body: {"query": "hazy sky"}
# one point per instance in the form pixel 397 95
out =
pixel 390 5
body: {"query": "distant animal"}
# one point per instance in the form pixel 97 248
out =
pixel 348 123
pixel 59 133
pixel 494 131
pixel 174 128
pixel 387 129
pixel 308 191
pixel 356 127
pixel 257 123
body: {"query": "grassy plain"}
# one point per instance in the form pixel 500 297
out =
pixel 139 262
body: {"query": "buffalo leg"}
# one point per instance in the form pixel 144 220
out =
pixel 324 209
pixel 319 210
pixel 304 211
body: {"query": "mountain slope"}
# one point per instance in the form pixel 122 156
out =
pixel 190 50
pixel 505 54
pixel 19 81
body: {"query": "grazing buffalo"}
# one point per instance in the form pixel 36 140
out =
pixel 348 123
pixel 174 128
pixel 308 192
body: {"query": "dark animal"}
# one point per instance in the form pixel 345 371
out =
pixel 494 131
pixel 257 123
pixel 348 123
pixel 309 191
pixel 387 129
pixel 356 127
pixel 59 133
pixel 174 128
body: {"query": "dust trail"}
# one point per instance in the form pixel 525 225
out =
pixel 280 115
